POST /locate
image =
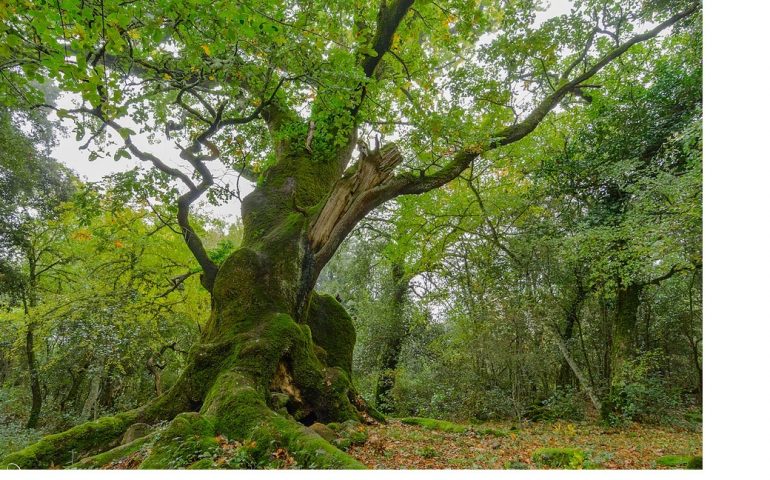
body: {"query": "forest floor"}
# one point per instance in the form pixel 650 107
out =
pixel 397 445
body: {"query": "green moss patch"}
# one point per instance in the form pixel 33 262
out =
pixel 131 449
pixel 204 464
pixel 300 446
pixel 434 424
pixel 564 458
pixel 332 330
pixel 680 461
pixel 444 426
pixel 60 448
pixel 348 433
pixel 234 405
pixel 187 439
pixel 490 431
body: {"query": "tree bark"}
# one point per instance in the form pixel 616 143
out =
pixel 30 301
pixel 91 405
pixel 77 375
pixel 627 303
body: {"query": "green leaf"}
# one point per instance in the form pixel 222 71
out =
pixel 126 132
pixel 121 153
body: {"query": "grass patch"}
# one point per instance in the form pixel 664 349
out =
pixel 398 445
pixel 695 463
pixel 495 432
pixel 428 452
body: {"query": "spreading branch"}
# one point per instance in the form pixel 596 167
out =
pixel 388 20
pixel 326 240
pixel 185 201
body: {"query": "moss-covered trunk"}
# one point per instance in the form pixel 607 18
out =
pixel 386 379
pixel 623 338
pixel 34 377
pixel 629 298
pixel 274 354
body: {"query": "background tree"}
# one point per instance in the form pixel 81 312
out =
pixel 33 185
pixel 112 323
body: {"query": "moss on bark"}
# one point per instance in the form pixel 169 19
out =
pixel 60 449
pixel 332 330
pixel 434 424
pixel 104 459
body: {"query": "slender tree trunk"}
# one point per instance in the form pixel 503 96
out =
pixel 34 377
pixel 91 405
pixel 77 376
pixel 110 390
pixel 5 365
pixel 30 301
pixel 566 374
pixel 629 298
pixel 584 384
pixel 623 335
pixel 155 370
pixel 392 351
pixel 692 337
pixel 608 343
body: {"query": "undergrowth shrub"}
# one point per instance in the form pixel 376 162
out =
pixel 565 403
pixel 641 393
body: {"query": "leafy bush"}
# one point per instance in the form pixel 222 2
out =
pixel 564 404
pixel 14 437
pixel 641 394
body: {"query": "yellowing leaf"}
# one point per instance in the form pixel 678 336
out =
pixel 82 235
pixel 206 49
